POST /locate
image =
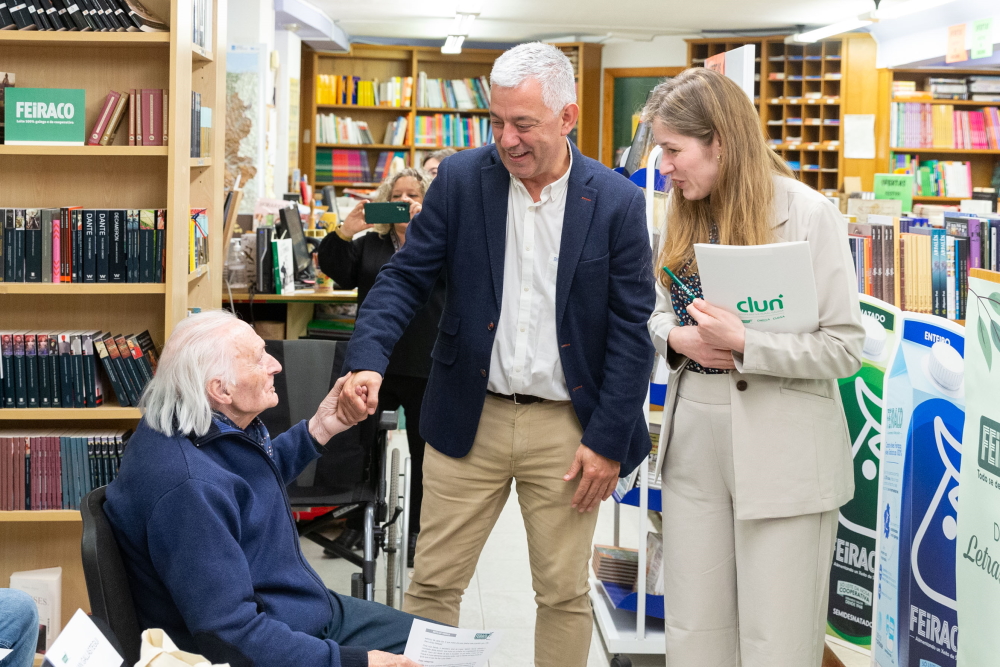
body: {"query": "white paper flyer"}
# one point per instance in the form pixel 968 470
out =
pixel 432 645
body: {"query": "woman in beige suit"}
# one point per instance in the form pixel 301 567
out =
pixel 756 457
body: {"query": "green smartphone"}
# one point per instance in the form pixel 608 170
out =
pixel 387 212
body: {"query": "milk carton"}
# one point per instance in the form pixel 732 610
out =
pixel 916 623
pixel 852 578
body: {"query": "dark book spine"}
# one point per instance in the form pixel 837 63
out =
pixel 52 14
pixel 79 391
pixel 89 245
pixel 88 16
pixel 141 362
pixel 32 246
pixel 55 386
pixel 44 374
pixel 6 20
pixel 10 272
pixel 7 368
pixel 20 373
pixel 103 249
pixel 133 246
pixel 147 233
pixel 87 362
pixel 116 261
pixel 129 365
pixel 114 354
pixel 33 15
pixel 159 245
pixel 19 234
pixel 76 234
pixel 22 18
pixel 31 370
pixel 112 374
pixel 67 383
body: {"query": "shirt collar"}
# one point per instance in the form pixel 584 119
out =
pixel 555 190
pixel 255 430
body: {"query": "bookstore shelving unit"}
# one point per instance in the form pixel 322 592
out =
pixel 983 161
pixel 118 176
pixel 384 62
pixel 802 93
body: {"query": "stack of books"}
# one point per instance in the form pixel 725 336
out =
pixel 342 166
pixel 197 239
pixel 201 25
pixel 453 93
pixel 333 129
pixel 949 89
pixel 83 245
pixel 51 469
pixel 201 127
pixel 918 125
pixel 352 90
pixel 935 178
pixel 396 132
pixel 60 370
pixel 81 15
pixel 616 565
pixel 985 88
pixel 452 130
pixel 920 267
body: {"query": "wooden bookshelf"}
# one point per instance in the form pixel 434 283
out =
pixel 385 62
pixel 984 161
pixel 117 176
pixel 802 108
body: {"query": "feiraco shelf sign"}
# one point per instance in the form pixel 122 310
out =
pixel 45 116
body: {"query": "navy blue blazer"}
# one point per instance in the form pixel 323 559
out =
pixel 604 297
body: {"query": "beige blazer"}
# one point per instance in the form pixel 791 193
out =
pixel 791 447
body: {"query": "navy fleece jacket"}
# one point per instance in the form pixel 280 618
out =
pixel 211 550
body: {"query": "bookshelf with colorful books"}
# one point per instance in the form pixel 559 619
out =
pixel 366 107
pixel 802 92
pixel 942 116
pixel 117 176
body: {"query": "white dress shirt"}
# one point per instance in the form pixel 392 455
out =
pixel 525 357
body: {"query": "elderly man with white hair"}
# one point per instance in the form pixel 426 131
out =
pixel 202 519
pixel 542 359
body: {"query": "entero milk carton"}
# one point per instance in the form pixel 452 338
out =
pixel 852 577
pixel 916 623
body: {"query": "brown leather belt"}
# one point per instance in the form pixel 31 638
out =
pixel 518 399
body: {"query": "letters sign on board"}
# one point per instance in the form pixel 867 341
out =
pixel 45 116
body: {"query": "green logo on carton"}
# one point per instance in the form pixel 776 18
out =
pixel 989 446
pixel 762 306
pixel 40 116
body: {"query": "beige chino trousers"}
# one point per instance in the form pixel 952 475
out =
pixel 736 593
pixel 534 445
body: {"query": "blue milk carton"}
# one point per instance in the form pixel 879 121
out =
pixel 916 623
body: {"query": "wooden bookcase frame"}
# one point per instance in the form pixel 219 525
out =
pixel 983 161
pixel 852 56
pixel 118 176
pixel 384 62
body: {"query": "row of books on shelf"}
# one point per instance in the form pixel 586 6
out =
pixel 60 370
pixel 452 130
pixel 79 15
pixel 923 125
pixel 201 127
pixel 201 24
pixel 353 90
pixel 923 268
pixel 782 76
pixel 935 178
pixel 346 165
pixel 147 118
pixel 77 245
pixel 453 93
pixel 620 566
pixel 334 129
pixel 52 469
pixel 979 88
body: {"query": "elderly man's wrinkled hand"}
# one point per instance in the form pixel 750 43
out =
pixel 326 423
pixel 359 397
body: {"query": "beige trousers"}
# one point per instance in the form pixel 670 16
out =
pixel 737 593
pixel 534 445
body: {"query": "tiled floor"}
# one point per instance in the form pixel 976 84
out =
pixel 500 596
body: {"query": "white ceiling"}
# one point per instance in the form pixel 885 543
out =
pixel 519 20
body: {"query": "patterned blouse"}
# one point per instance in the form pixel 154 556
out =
pixel 680 302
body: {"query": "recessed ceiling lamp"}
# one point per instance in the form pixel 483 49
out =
pixel 894 11
pixel 467 12
pixel 827 31
pixel 453 44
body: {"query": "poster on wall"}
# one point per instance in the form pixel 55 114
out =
pixel 916 622
pixel 246 79
pixel 852 578
pixel 978 567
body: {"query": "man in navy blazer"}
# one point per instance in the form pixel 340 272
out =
pixel 541 364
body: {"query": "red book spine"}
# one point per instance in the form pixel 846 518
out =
pixel 131 117
pixel 57 249
pixel 102 119
pixel 6 477
pixel 56 473
pixel 35 477
pixel 152 112
pixel 18 452
pixel 64 255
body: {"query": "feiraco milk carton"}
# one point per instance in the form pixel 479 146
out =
pixel 852 577
pixel 916 623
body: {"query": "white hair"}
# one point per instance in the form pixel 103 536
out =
pixel 542 62
pixel 197 352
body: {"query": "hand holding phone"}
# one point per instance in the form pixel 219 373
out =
pixel 387 212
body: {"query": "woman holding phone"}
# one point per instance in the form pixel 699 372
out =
pixel 756 456
pixel 354 262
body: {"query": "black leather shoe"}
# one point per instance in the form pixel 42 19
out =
pixel 412 549
pixel 349 539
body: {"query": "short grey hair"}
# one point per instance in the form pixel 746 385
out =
pixel 540 61
pixel 197 352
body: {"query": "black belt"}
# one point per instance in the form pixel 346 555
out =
pixel 519 399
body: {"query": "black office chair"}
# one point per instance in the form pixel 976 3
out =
pixel 350 474
pixel 107 581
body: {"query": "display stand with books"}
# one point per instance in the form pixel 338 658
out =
pixel 118 176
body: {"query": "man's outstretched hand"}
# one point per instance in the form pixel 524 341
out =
pixel 359 397
pixel 326 423
pixel 380 659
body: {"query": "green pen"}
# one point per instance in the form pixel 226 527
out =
pixel 677 281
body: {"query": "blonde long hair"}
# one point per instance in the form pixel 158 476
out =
pixel 704 104
pixel 384 191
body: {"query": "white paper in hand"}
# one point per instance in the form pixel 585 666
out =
pixel 770 287
pixel 433 645
pixel 81 644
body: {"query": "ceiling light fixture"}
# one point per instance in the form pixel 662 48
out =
pixel 463 24
pixel 453 44
pixel 828 31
